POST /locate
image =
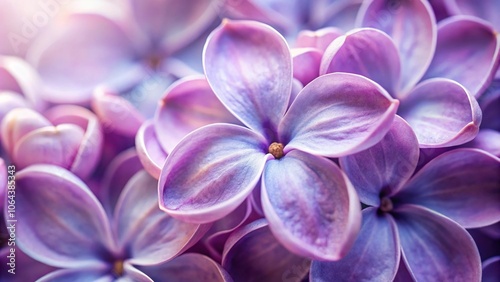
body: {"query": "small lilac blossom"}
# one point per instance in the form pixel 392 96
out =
pixel 423 76
pixel 114 43
pixel 252 253
pixel 414 219
pixel 68 136
pixel 61 223
pixel 187 104
pixel 215 168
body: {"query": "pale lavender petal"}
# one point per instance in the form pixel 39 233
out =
pixel 19 122
pixel 306 62
pixel 442 113
pixel 411 24
pixel 211 172
pixel 19 76
pixel 57 145
pixel 367 52
pixel 252 253
pixel 118 173
pixel 491 270
pixel 249 67
pixel 85 274
pixel 374 256
pixel 60 222
pixel 319 39
pixel 488 140
pixel 341 14
pixel 94 42
pixel 336 115
pixel 90 149
pixel 485 9
pixel 436 248
pixel 10 100
pixel 462 184
pixel 188 267
pixel 131 273
pixel 312 208
pixel 173 24
pixel 467 51
pixel 148 234
pixel 149 150
pixel 383 169
pixel 115 113
pixel 188 104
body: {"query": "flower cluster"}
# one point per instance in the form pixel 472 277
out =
pixel 246 140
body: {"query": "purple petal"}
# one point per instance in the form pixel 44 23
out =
pixel 403 274
pixel 249 67
pixel 173 24
pixel 151 154
pixel 490 103
pixel 97 274
pixel 312 208
pixel 485 9
pixel 436 248
pixel 97 44
pixel 367 52
pixel 411 25
pixel 60 221
pixel 319 39
pixel 49 145
pixel 487 140
pixel 341 14
pixel 306 63
pixel 211 172
pixel 8 101
pixel 131 273
pixel 462 184
pixel 90 149
pixel 467 51
pixel 117 174
pixel 116 113
pixel 374 256
pixel 188 267
pixel 384 168
pixel 19 122
pixel 442 113
pixel 253 254
pixel 187 105
pixel 491 270
pixel 36 268
pixel 3 182
pixel 336 115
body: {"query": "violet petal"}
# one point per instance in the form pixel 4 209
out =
pixel 336 115
pixel 312 208
pixel 249 67
pixel 149 150
pixel 211 172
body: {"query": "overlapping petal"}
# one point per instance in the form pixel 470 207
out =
pixel 150 235
pixel 306 63
pixel 384 168
pixel 436 248
pixel 491 268
pixel 463 184
pixel 211 172
pixel 60 221
pixel 374 256
pixel 467 51
pixel 149 149
pixel 367 52
pixel 97 274
pixel 411 24
pixel 319 39
pixel 188 104
pixel 311 206
pixel 249 67
pixel 441 113
pixel 253 254
pixel 336 115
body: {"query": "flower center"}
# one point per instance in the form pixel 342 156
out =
pixel 118 268
pixel 276 149
pixel 154 61
pixel 386 204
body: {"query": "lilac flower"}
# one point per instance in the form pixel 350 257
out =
pixel 215 168
pixel 115 43
pixel 61 223
pixel 417 219
pixel 69 136
pixel 442 112
pixel 188 104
